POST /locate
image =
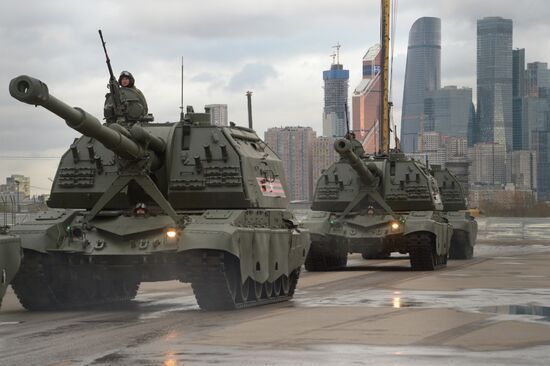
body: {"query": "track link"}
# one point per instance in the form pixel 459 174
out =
pixel 216 282
pixel 461 248
pixel 319 259
pixel 47 283
pixel 422 253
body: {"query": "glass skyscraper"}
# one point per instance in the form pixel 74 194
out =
pixel 537 76
pixel 422 75
pixel 494 80
pixel 336 97
pixel 449 111
pixel 519 138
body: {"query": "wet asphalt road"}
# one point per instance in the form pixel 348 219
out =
pixel 494 309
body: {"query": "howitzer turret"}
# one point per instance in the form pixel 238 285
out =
pixel 118 139
pixel 368 173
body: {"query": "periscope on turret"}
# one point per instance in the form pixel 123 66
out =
pixel 376 205
pixel 136 201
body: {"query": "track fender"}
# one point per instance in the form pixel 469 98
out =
pixel 318 224
pixel 462 221
pixel 10 259
pixel 422 221
pixel 45 231
pixel 264 253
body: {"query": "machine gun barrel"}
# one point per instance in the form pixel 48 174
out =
pixel 33 91
pixel 344 148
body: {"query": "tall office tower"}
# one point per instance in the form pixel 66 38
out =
pixel 473 129
pixel 541 144
pixel 322 155
pixel 336 97
pixel 456 147
pixel 536 105
pixel 536 117
pixel 430 143
pixel 449 111
pixel 488 164
pixel 518 94
pixel 536 122
pixel 494 80
pixel 422 75
pixel 293 145
pixel 524 169
pixel 218 114
pixel 366 101
pixel 537 76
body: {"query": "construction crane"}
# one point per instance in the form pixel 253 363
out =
pixel 385 102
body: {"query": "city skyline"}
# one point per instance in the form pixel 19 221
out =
pixel 63 49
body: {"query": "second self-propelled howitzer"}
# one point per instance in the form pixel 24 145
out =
pixel 135 201
pixel 376 205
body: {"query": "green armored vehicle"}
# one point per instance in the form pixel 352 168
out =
pixel 376 205
pixel 137 201
pixel 455 206
pixel 10 258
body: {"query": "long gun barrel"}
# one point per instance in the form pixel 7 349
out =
pixel 33 91
pixel 344 148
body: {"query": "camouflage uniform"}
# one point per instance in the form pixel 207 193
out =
pixel 134 100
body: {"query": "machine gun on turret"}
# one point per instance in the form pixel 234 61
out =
pixel 114 88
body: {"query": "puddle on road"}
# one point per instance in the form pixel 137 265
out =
pixel 336 354
pixel 536 312
pixel 10 323
pixel 155 305
pixel 535 306
pixel 508 249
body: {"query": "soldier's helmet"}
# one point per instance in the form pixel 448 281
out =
pixel 129 75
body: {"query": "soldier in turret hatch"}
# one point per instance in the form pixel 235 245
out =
pixel 356 146
pixel 126 80
pixel 128 103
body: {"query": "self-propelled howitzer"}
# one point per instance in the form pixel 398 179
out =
pixel 376 205
pixel 135 201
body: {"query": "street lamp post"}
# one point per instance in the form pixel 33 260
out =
pixel 18 208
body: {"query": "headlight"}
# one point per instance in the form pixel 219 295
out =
pixel 171 233
pixel 395 225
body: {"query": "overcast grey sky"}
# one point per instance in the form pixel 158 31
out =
pixel 277 49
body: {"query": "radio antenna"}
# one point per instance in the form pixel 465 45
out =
pixel 181 101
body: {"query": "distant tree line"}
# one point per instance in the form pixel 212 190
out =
pixel 515 208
